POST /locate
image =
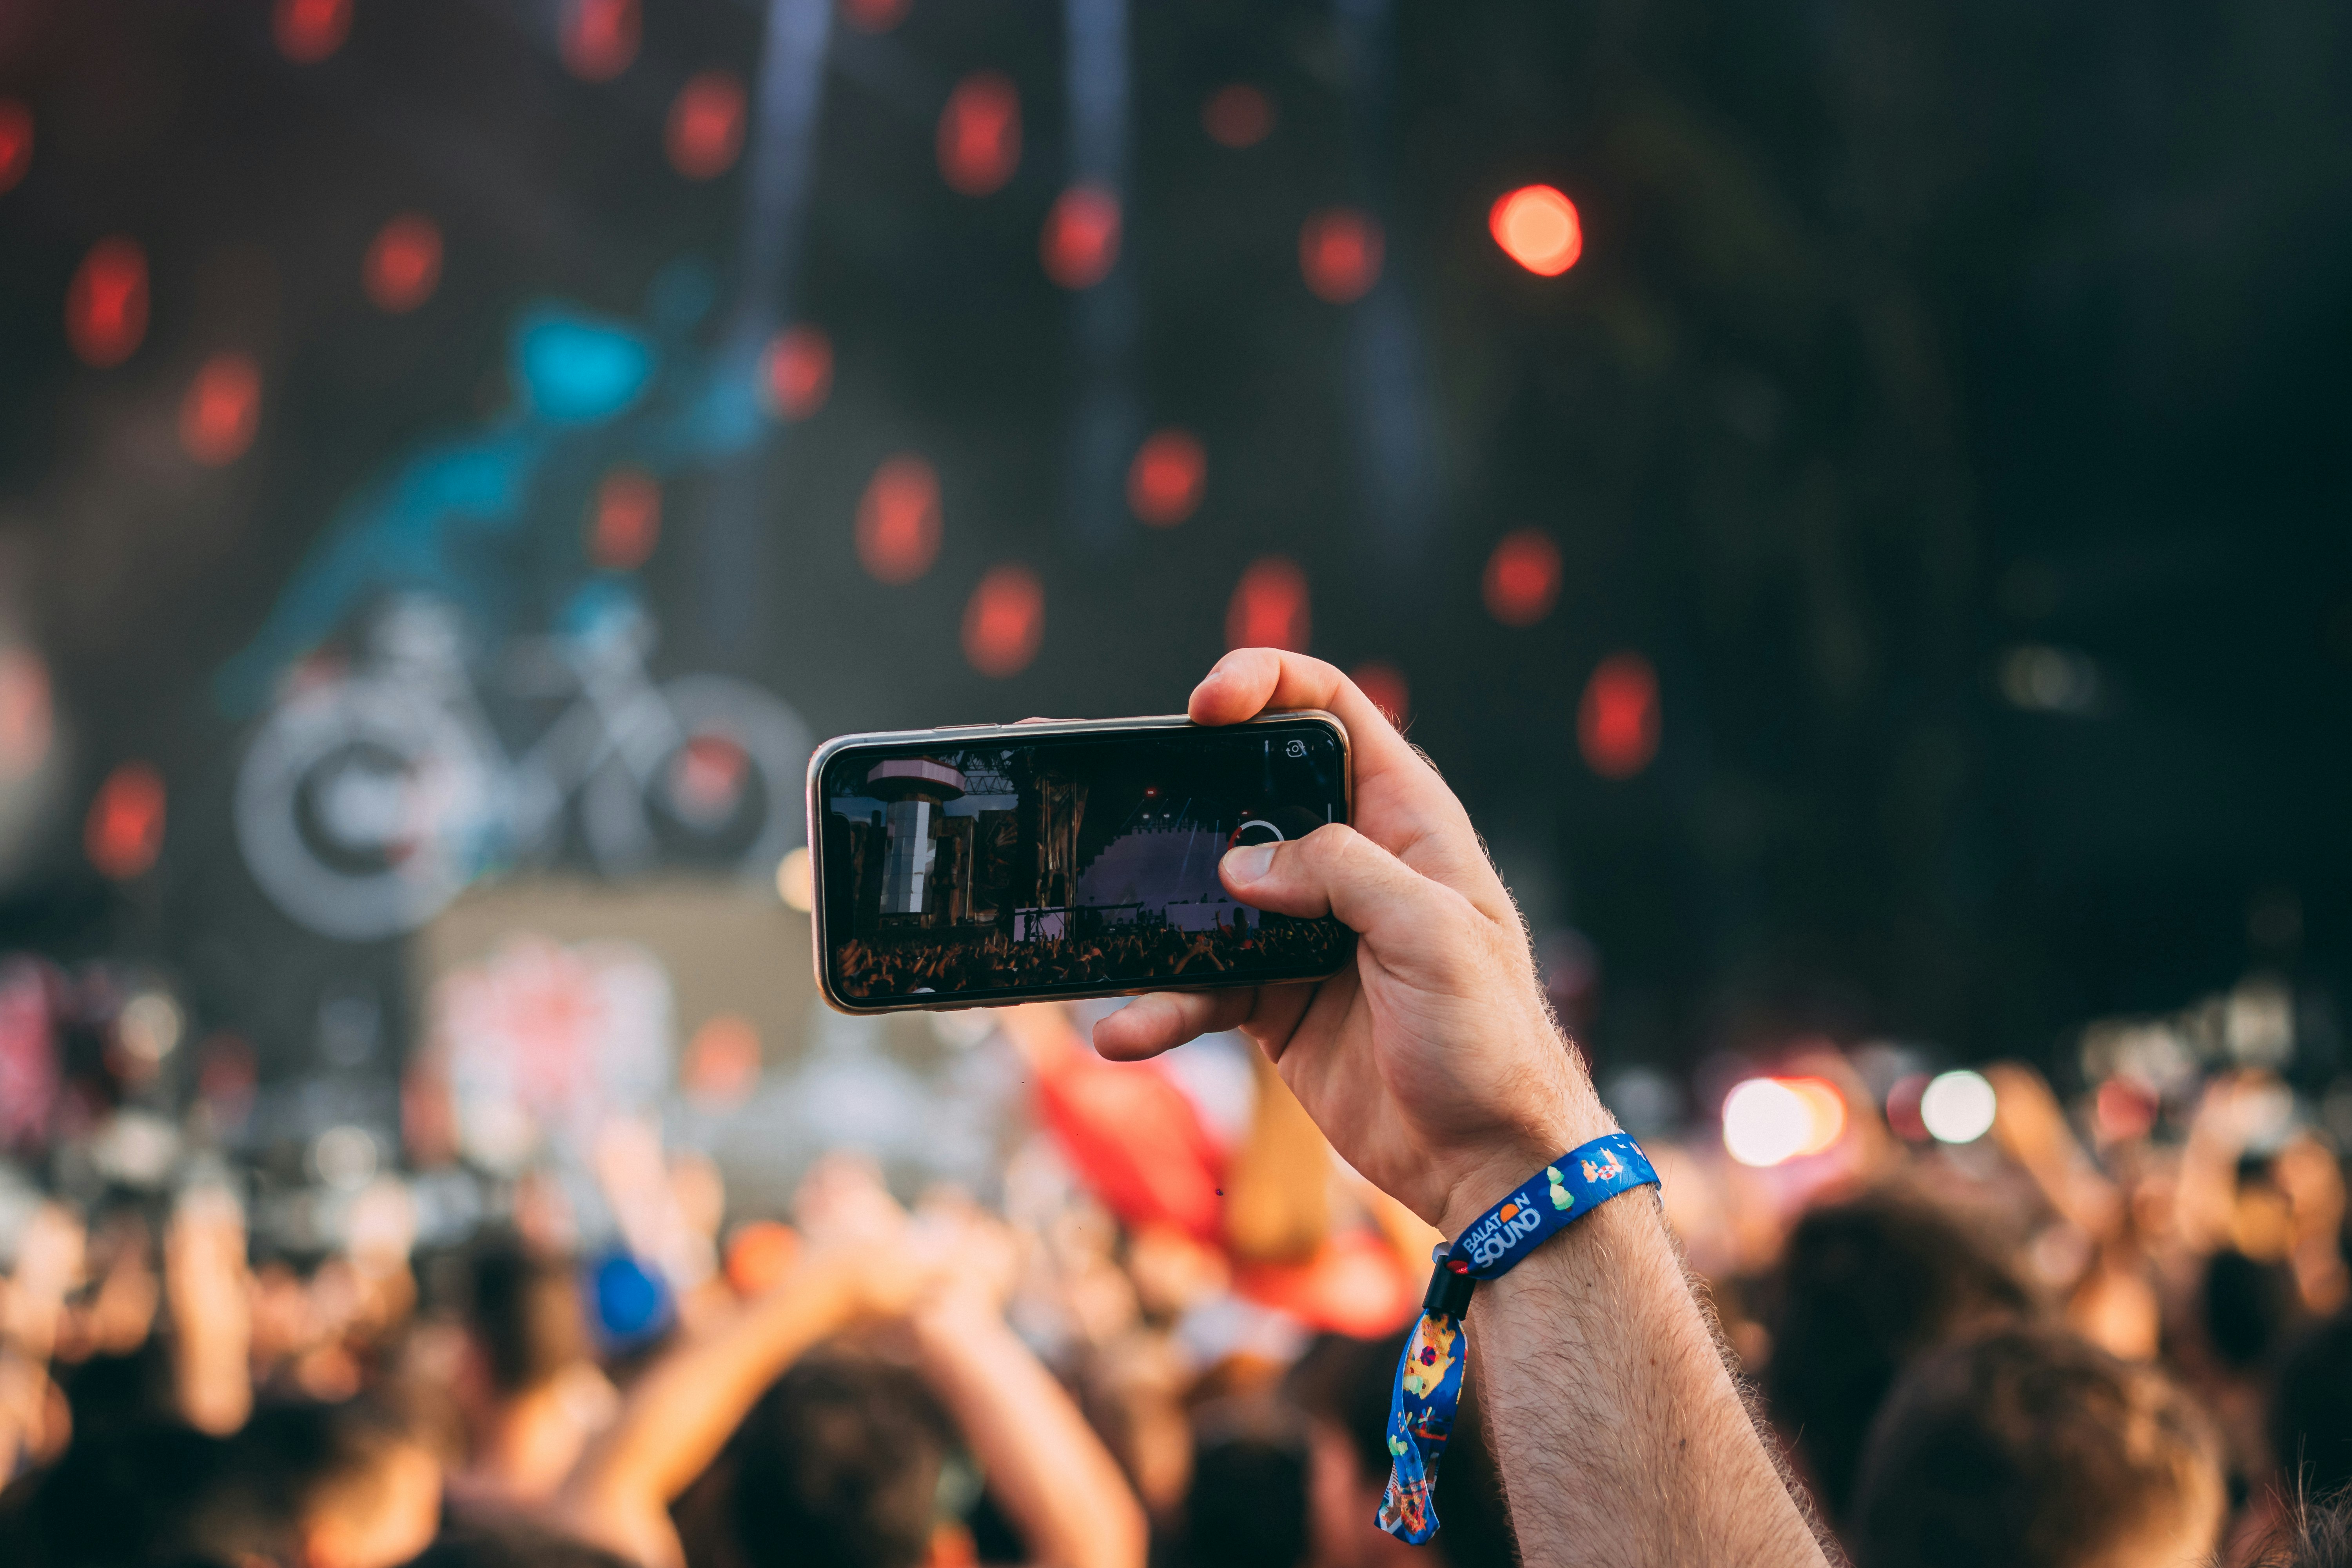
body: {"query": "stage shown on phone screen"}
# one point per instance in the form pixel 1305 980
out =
pixel 1069 863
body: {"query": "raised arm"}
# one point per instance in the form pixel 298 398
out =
pixel 1437 1069
pixel 1058 1485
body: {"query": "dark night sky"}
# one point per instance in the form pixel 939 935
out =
pixel 1906 337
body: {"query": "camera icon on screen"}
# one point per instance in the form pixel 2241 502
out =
pixel 1296 749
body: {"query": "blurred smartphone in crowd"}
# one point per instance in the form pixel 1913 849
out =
pixel 982 865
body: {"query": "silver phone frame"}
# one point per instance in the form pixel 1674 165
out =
pixel 984 734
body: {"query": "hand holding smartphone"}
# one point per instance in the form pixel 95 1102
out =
pixel 984 865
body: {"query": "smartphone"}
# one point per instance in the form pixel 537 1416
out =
pixel 986 864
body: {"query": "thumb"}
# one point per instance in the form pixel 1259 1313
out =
pixel 1336 871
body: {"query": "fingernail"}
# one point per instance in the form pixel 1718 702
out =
pixel 1248 862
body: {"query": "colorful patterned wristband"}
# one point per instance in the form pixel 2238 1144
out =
pixel 1428 1389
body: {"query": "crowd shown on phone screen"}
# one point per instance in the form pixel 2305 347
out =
pixel 2080 1341
pixel 1140 953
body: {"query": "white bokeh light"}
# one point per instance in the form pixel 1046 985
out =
pixel 1958 1107
pixel 1765 1122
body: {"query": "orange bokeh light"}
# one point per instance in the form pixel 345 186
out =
pixel 404 263
pixel 625 522
pixel 1383 684
pixel 759 1253
pixel 1004 624
pixel 1339 251
pixel 106 305
pixel 1522 580
pixel 599 39
pixel 221 411
pixel 898 521
pixel 980 133
pixel 1238 116
pixel 1824 1113
pixel 1268 607
pixel 1538 227
pixel 874 16
pixel 796 372
pixel 1617 723
pixel 124 831
pixel 707 120
pixel 722 1061
pixel 16 142
pixel 308 31
pixel 1165 482
pixel 1080 244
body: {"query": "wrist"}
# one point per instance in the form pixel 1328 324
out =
pixel 1517 1151
pixel 952 1322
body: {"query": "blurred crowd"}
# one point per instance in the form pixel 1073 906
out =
pixel 2112 1328
pixel 1145 949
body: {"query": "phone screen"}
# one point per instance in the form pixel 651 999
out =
pixel 1075 864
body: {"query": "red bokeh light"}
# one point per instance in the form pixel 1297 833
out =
pixel 106 305
pixel 16 142
pixel 599 39
pixel 1081 245
pixel 1269 607
pixel 796 372
pixel 874 16
pixel 2126 1110
pixel 625 522
pixel 404 263
pixel 898 519
pixel 1339 251
pixel 705 125
pixel 1538 227
pixel 1005 621
pixel 1165 481
pixel 1903 1108
pixel 1522 580
pixel 124 831
pixel 221 411
pixel 308 31
pixel 1238 116
pixel 1617 722
pixel 980 133
pixel 1383 685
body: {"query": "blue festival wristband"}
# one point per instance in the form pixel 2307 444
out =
pixel 1428 1389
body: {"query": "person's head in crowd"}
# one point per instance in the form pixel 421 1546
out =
pixel 2248 1307
pixel 310 1484
pixel 839 1463
pixel 2318 1535
pixel 529 1389
pixel 2311 1410
pixel 2033 1449
pixel 122 1497
pixel 512 1545
pixel 1248 1505
pixel 524 1316
pixel 1343 1385
pixel 1863 1287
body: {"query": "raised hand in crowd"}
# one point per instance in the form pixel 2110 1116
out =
pixel 210 1296
pixel 1434 1065
pixel 787 1445
pixel 48 1265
